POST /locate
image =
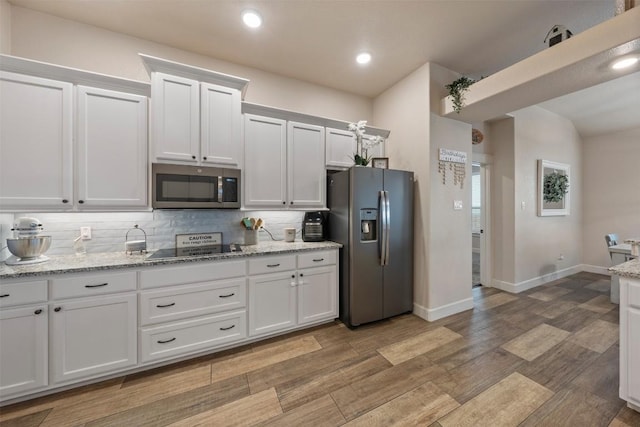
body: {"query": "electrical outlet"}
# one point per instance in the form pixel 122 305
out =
pixel 561 257
pixel 85 232
pixel 457 205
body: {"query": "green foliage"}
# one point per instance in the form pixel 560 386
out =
pixel 457 89
pixel 555 186
pixel 361 160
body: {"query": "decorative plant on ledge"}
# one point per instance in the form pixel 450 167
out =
pixel 556 185
pixel 457 89
pixel 361 157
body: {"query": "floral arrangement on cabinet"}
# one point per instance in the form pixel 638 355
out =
pixel 363 145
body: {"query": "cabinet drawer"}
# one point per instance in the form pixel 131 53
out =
pixel 634 293
pixel 316 259
pixel 89 285
pixel 191 301
pixel 272 264
pixel 19 293
pixel 192 273
pixel 180 338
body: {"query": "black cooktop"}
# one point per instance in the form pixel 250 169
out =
pixel 199 251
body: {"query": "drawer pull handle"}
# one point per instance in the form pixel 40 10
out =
pixel 227 328
pixel 166 305
pixel 318 259
pixel 273 265
pixel 226 296
pixel 57 309
pixel 4 295
pixel 38 311
pixel 96 286
pixel 166 341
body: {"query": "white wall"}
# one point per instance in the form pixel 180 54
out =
pixel 527 247
pixel 5 27
pixel 405 108
pixel 502 204
pixel 47 38
pixel 442 248
pixel 611 197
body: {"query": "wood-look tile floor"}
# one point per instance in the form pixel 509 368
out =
pixel 546 357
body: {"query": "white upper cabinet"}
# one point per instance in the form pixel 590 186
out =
pixel 341 146
pixel 195 114
pixel 35 142
pixel 284 164
pixel 175 122
pixel 265 162
pixel 75 143
pixel 111 148
pixel 221 123
pixel 306 166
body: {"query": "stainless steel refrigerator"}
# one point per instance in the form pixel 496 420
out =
pixel 371 214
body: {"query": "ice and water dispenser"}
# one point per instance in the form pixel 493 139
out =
pixel 368 225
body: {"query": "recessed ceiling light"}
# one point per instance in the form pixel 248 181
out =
pixel 251 18
pixel 363 58
pixel 622 63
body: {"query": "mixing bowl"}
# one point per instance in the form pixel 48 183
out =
pixel 29 247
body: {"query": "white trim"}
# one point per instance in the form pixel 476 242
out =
pixel 515 288
pixel 432 314
pixel 596 269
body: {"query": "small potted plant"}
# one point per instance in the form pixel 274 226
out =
pixel 361 157
pixel 457 89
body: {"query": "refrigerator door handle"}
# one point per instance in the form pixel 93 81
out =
pixel 382 241
pixel 387 227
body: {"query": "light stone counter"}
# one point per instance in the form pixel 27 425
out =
pixel 61 264
pixel 627 269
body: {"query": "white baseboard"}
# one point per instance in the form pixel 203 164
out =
pixel 596 269
pixel 515 288
pixel 431 314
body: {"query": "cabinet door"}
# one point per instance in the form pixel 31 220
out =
pixel 175 118
pixel 112 148
pixel 35 142
pixel 306 166
pixel 23 350
pixel 341 147
pixel 91 337
pixel 265 166
pixel 272 303
pixel 633 355
pixel 317 294
pixel 220 122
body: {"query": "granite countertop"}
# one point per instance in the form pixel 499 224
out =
pixel 60 264
pixel 627 269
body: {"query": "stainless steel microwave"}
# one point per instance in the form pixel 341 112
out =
pixel 194 187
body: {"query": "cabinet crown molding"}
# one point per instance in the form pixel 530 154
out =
pixel 152 64
pixel 75 76
pixel 277 113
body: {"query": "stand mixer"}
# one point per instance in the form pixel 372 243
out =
pixel 27 245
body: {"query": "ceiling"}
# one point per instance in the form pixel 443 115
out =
pixel 317 40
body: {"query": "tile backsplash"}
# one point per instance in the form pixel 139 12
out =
pixel 110 228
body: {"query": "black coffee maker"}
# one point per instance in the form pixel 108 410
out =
pixel 313 225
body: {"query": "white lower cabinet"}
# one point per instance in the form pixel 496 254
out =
pixel 202 333
pixel 23 350
pixel 272 303
pixel 629 342
pixel 93 336
pixel 284 300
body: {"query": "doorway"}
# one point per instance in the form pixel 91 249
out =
pixel 476 223
pixel 480 253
